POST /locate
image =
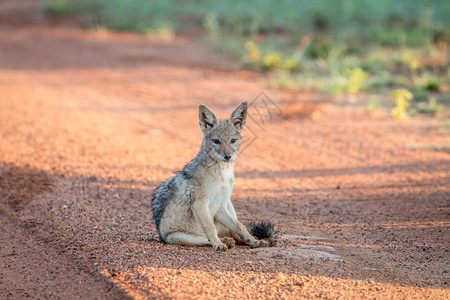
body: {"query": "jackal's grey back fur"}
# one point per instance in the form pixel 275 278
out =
pixel 168 189
pixel 161 199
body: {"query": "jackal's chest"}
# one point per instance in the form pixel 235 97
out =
pixel 220 192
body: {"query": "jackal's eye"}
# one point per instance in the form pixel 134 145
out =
pixel 216 141
pixel 233 141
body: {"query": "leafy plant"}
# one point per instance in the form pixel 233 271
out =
pixel 266 60
pixel 356 78
pixel 318 50
pixel 402 99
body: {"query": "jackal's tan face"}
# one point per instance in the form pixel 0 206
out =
pixel 222 138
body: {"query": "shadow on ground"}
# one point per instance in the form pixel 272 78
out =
pixel 104 226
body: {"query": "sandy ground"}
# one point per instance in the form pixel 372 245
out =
pixel 91 122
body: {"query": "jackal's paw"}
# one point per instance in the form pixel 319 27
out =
pixel 220 247
pixel 259 243
pixel 229 241
pixel 272 242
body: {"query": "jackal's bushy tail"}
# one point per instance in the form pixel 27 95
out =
pixel 263 230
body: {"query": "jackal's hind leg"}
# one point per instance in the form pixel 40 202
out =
pixel 187 239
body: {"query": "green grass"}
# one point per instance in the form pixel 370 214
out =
pixel 373 106
pixel 409 22
pixel 430 107
pixel 336 47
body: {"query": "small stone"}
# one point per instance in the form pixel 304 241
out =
pixel 281 277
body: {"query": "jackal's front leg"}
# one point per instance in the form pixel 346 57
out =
pixel 225 218
pixel 201 214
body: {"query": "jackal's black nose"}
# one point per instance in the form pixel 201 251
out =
pixel 227 157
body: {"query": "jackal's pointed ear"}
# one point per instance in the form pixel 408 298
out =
pixel 239 116
pixel 207 119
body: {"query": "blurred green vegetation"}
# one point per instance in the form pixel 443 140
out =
pixel 337 47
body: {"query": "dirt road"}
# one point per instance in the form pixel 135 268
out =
pixel 91 122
